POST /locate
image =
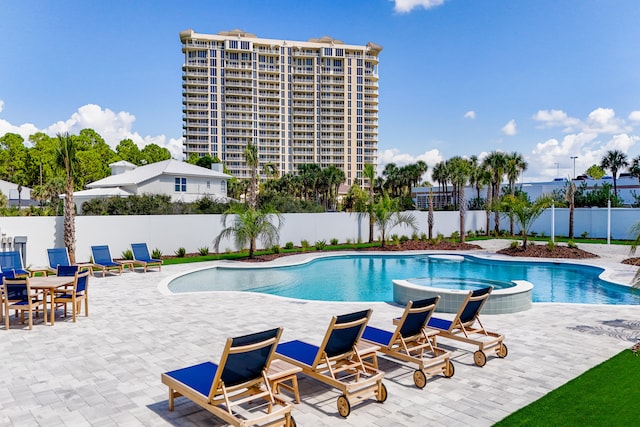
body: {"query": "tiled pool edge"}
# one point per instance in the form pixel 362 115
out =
pixel 502 301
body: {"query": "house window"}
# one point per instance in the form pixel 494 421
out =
pixel 181 185
pixel 208 184
pixel 223 187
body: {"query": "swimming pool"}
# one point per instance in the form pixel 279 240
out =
pixel 369 278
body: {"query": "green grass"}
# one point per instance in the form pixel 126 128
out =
pixel 606 395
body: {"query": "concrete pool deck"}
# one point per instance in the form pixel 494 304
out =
pixel 105 370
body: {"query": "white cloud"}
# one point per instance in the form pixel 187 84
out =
pixel 112 126
pixel 406 6
pixel 634 116
pixel 600 120
pixel 553 158
pixel 470 115
pixel 510 128
pixel 1 105
pixel 555 118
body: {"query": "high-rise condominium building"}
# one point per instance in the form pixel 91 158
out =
pixel 298 102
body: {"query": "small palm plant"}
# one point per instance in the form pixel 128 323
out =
pixel 248 224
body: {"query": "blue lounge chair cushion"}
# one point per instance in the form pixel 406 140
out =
pixel 141 253
pixel 441 324
pixel 378 336
pixel 298 350
pixel 198 377
pixel 58 257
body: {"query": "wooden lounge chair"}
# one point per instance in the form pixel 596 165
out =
pixel 237 389
pixel 413 343
pixel 11 260
pixel 466 327
pixel 102 260
pixel 336 361
pixel 142 258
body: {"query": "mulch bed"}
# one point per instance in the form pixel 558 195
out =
pixel 543 251
pixel 632 261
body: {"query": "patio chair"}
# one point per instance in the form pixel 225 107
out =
pixel 412 342
pixel 237 389
pixel 17 295
pixel 142 258
pixel 102 260
pixel 463 327
pixel 337 362
pixel 75 295
pixel 57 257
pixel 11 260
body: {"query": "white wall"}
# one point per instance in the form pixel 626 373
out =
pixel 169 232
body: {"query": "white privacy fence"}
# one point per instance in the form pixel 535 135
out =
pixel 170 232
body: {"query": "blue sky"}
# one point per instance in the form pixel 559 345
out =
pixel 550 79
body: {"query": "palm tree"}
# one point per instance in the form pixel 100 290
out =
pixel 251 157
pixel 333 177
pixel 387 216
pixel 515 166
pixel 460 169
pixel 614 160
pixel 495 162
pixel 248 225
pixel 634 167
pixel 369 173
pixel 571 200
pixel 67 160
pixel 524 211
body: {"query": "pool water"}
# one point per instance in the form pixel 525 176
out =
pixel 369 278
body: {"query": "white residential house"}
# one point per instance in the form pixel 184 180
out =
pixel 15 197
pixel 182 181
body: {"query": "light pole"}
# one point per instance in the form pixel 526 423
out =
pixel 574 165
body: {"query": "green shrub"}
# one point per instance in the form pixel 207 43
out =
pixel 455 235
pixel 551 245
pixel 471 234
pixel 572 244
pixel 304 244
pixel 288 245
pixel 348 241
pixel 533 233
pixel 320 245
pixel 334 241
pixel 543 234
pixel 423 237
pixel 415 237
pixel 181 252
pixel 275 249
pixel 127 254
pixel 584 234
pixel 156 253
pixel 514 244
pixel 404 239
pixel 203 250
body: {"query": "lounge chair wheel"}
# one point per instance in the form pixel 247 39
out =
pixel 449 369
pixel 382 393
pixel 502 351
pixel 344 407
pixel 479 358
pixel 419 378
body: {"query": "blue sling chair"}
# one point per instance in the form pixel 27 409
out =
pixel 466 327
pixel 11 260
pixel 142 258
pixel 102 260
pixel 337 362
pixel 237 388
pixel 58 257
pixel 17 295
pixel 412 342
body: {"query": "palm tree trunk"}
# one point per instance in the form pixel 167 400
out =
pixel 69 222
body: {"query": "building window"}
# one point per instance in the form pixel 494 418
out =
pixel 180 185
pixel 208 184
pixel 223 187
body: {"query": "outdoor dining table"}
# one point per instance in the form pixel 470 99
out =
pixel 48 285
